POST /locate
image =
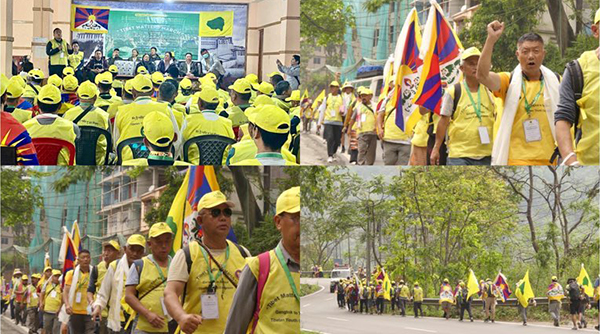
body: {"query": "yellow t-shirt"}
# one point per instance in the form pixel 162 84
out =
pixel 80 288
pixel 521 152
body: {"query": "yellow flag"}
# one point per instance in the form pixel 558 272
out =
pixel 75 236
pixel 584 280
pixel 216 24
pixel 472 284
pixel 318 99
pixel 305 95
pixel 524 291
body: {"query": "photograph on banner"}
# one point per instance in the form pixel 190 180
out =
pixel 200 249
pixel 224 74
pixel 449 250
pixel 433 82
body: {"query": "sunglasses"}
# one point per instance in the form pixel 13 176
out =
pixel 217 212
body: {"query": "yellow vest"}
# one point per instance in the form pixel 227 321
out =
pixel 117 84
pixel 281 104
pixel 101 268
pixel 418 294
pixel 75 59
pixel 21 115
pixel 366 120
pixel 589 119
pixel 97 118
pixel 179 113
pixel 199 281
pixel 278 157
pixel 404 293
pixel 420 133
pixel 51 304
pixel 391 131
pixel 106 103
pixel 236 115
pixel 149 279
pixel 279 308
pixel 144 162
pixel 200 125
pixel 33 296
pixel 129 120
pixel 59 129
pixel 182 98
pixel 332 112
pixel 463 131
pixel 62 57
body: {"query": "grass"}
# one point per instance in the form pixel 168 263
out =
pixel 307 289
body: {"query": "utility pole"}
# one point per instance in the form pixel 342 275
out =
pixel 370 206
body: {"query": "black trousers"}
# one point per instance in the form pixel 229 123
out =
pixel 364 304
pixel 417 306
pixel 333 135
pixel 402 306
pixel 379 304
pixel 467 307
pixel 56 69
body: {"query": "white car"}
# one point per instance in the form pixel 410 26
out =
pixel 336 275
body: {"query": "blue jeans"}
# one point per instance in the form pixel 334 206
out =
pixel 469 162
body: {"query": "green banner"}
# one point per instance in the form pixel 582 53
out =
pixel 167 31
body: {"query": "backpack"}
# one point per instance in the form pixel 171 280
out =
pixel 576 73
pixel 574 293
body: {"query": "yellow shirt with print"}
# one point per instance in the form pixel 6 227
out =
pixel 522 153
pixel 206 123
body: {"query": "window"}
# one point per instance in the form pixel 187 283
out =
pixel 392 38
pixel 4 241
pixel 317 60
pixel 375 37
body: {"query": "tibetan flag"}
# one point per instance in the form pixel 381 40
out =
pixel 440 47
pixel 216 24
pixel 446 293
pixel 502 285
pixel 407 66
pixel 47 262
pixel 472 285
pixel 89 19
pixel 584 280
pixel 75 236
pixel 524 291
pixel 382 276
pixel 63 245
pixel 199 180
pixel 70 257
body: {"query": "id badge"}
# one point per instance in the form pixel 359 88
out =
pixel 332 112
pixel 210 306
pixel 62 54
pixel 532 130
pixel 484 135
pixel 53 294
pixel 78 297
pixel 164 309
pixel 34 295
pixel 363 118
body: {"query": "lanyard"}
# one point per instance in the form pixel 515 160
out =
pixel 477 107
pixel 84 283
pixel 213 279
pixel 527 105
pixel 287 271
pixel 159 269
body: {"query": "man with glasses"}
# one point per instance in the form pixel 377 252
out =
pixel 204 274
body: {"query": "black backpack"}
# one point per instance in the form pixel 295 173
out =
pixel 574 293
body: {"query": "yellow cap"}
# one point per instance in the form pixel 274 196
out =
pixel 3 83
pixel 158 129
pixel 212 199
pixel 271 119
pixel 347 85
pixel 55 80
pixel 334 83
pixel 104 78
pixel 128 86
pixel 241 86
pixel 56 272
pixel 206 82
pixel 554 278
pixel 113 243
pixel 252 78
pixel 68 71
pixel 24 277
pixel 36 73
pixel 70 83
pixel 14 90
pixel 158 78
pixel 18 79
pixel 274 74
pixel 47 268
pixel 211 76
pixel 136 239
pixel 141 83
pixel 87 90
pixel 470 52
pixel 142 70
pixel 113 69
pixel 288 201
pixel 366 91
pixel 209 95
pixel 49 94
pixel 38 276
pixel 266 88
pixel 17 271
pixel 294 97
pixel 185 83
pixel 597 17
pixel 159 229
pixel 262 100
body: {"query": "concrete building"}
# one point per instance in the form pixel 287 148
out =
pixel 26 26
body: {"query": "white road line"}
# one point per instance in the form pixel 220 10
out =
pixel 420 330
pixel 310 330
pixel 306 305
pixel 314 293
pixel 338 319
pixel 329 298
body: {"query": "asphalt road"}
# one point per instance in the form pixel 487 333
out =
pixel 8 326
pixel 320 313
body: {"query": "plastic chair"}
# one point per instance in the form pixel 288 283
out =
pixel 9 155
pixel 137 146
pixel 210 147
pixel 87 142
pixel 48 150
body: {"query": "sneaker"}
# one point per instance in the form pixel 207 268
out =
pixel 574 328
pixel 471 319
pixel 343 149
pixel 524 324
pixel 335 157
pixel 579 324
pixel 330 159
pixel 555 323
pixel 486 320
pixel 493 321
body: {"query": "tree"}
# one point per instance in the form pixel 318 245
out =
pixel 324 22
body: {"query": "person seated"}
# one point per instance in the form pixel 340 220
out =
pixel 106 99
pixel 96 65
pixel 115 57
pixel 159 138
pixel 189 68
pixel 13 94
pixel 168 65
pixel 135 56
pixel 186 91
pixel 147 64
pixel 14 134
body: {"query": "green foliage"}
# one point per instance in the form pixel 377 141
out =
pixel 73 174
pixel 20 198
pixel 161 206
pixel 265 236
pixel 307 289
pixel 324 22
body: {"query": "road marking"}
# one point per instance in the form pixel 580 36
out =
pixel 329 298
pixel 314 293
pixel 420 330
pixel 338 319
pixel 306 305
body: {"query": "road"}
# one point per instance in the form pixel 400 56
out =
pixel 320 313
pixel 314 151
pixel 8 326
